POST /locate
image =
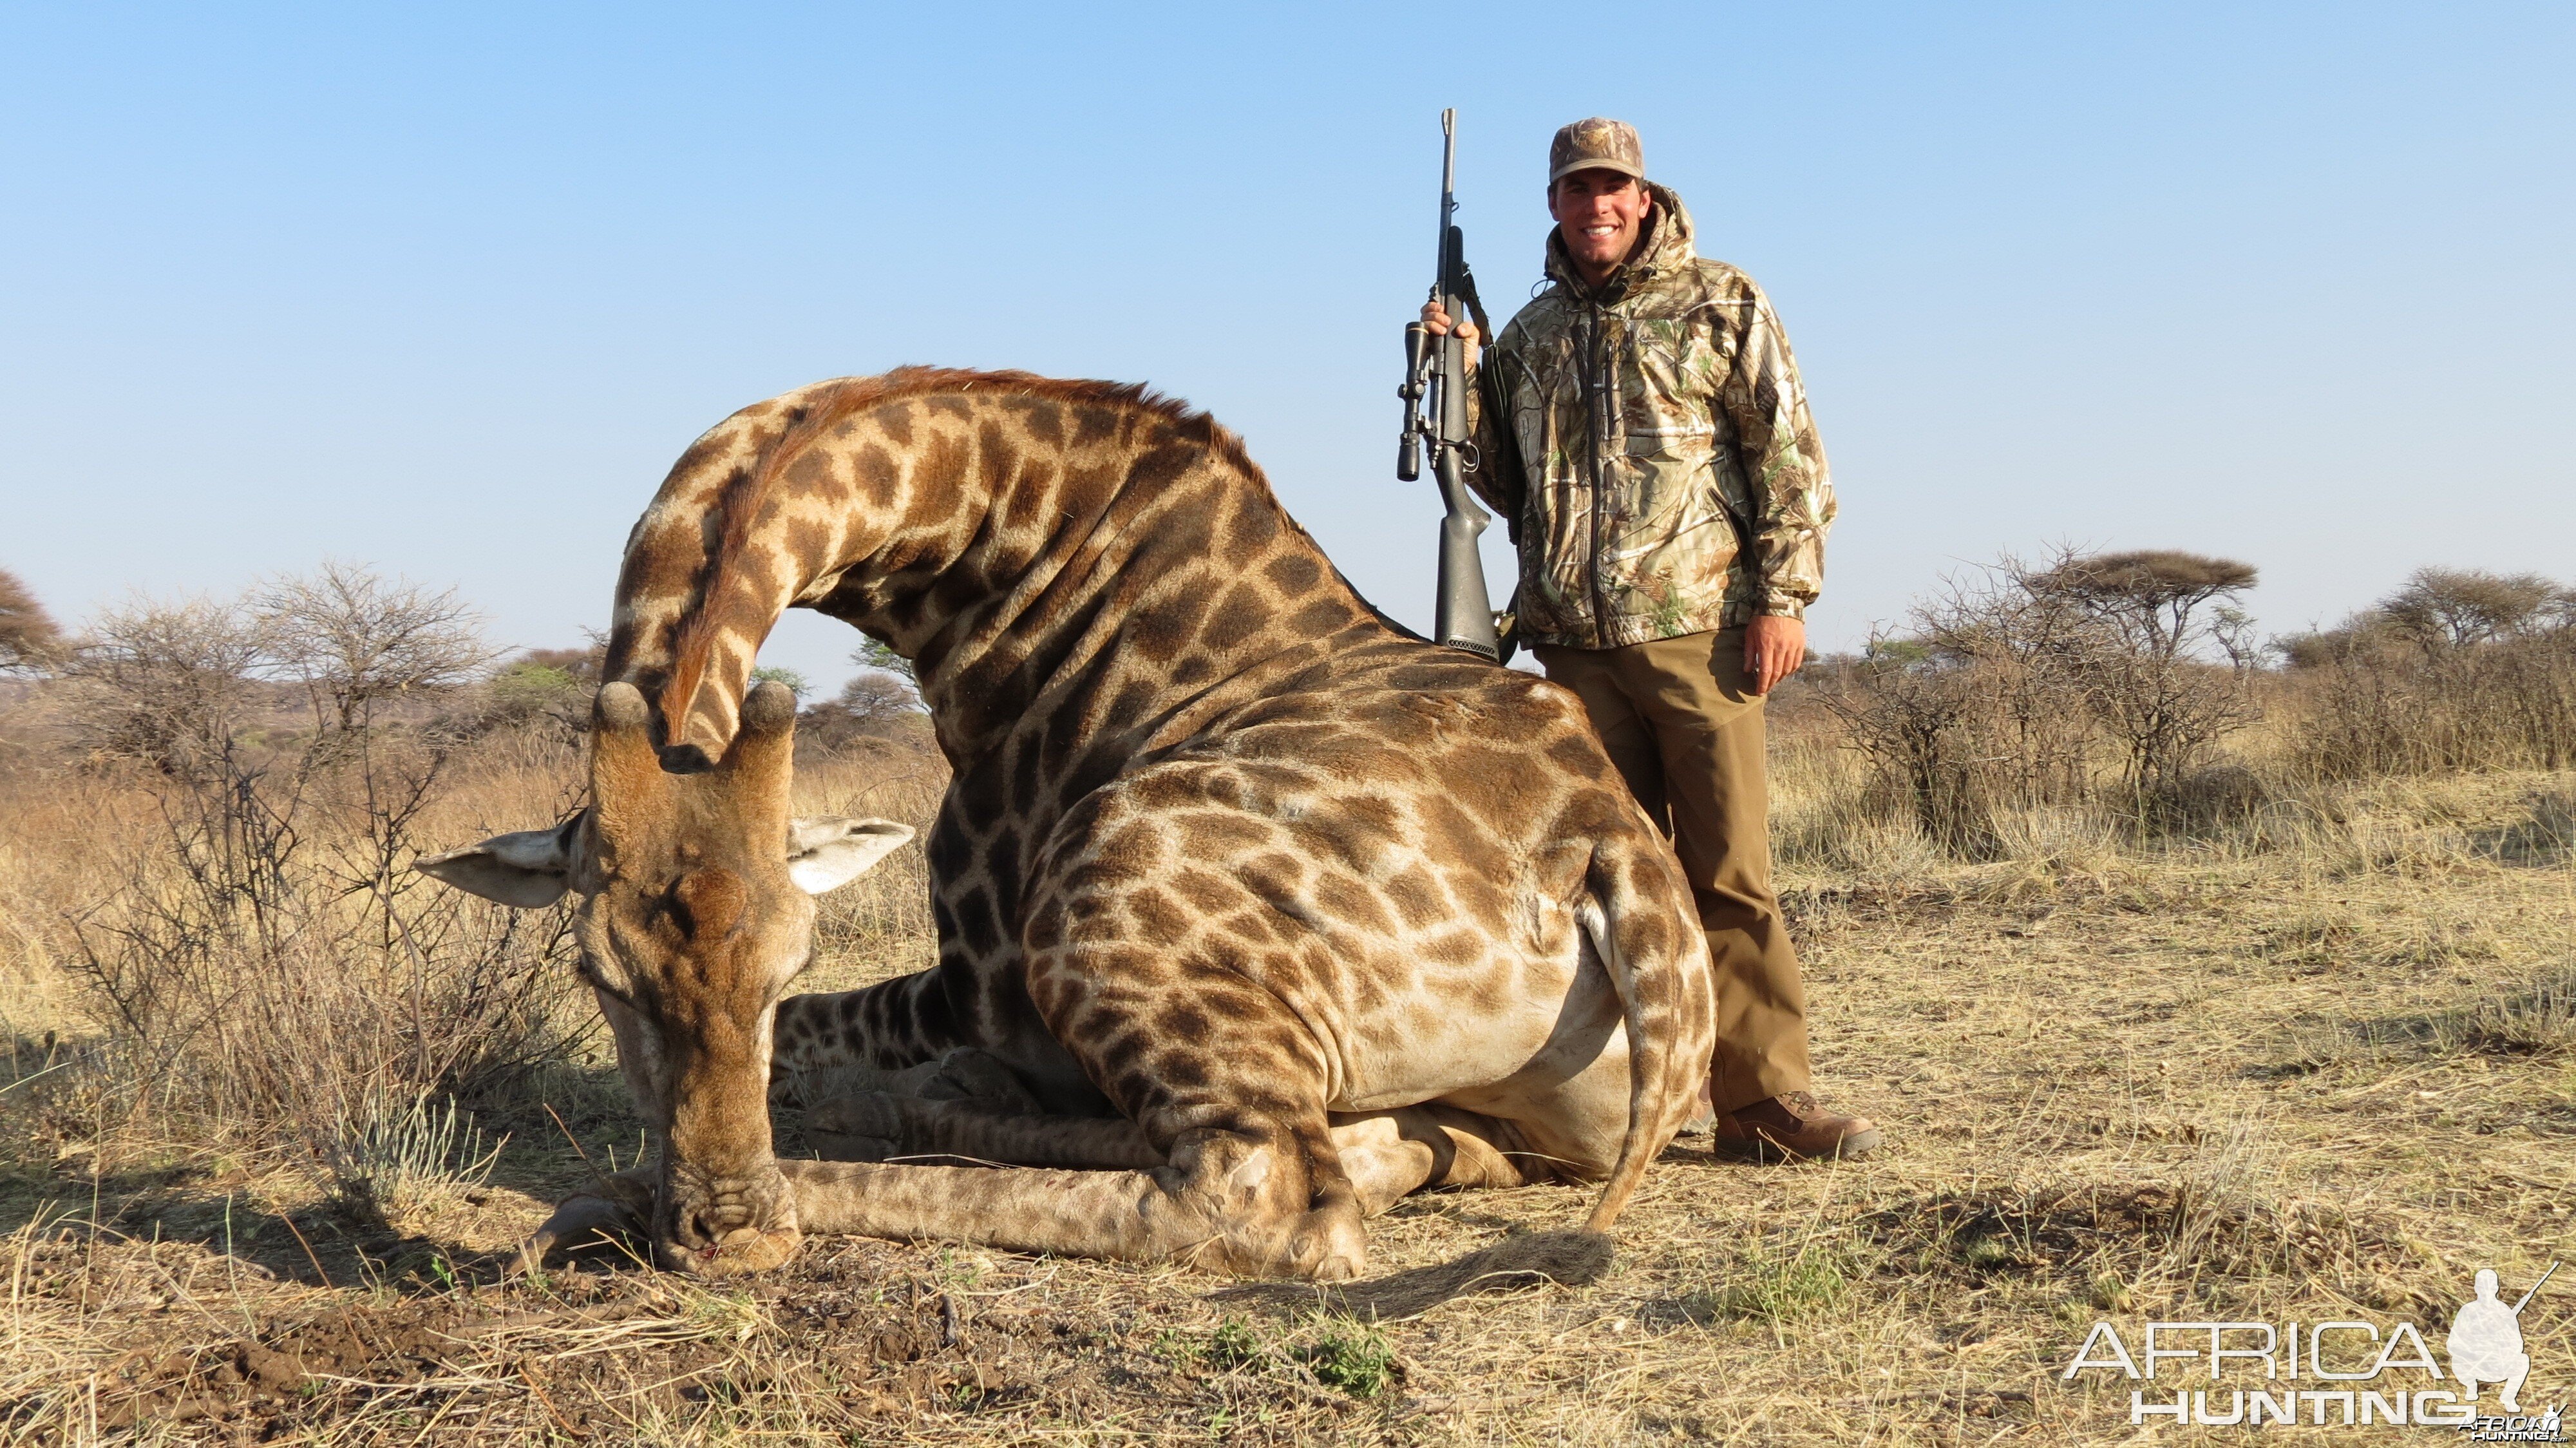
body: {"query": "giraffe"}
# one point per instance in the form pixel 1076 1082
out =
pixel 1276 911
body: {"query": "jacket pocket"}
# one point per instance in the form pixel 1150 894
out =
pixel 1666 414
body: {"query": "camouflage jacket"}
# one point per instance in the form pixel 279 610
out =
pixel 1642 439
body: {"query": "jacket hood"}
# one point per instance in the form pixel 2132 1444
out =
pixel 1668 253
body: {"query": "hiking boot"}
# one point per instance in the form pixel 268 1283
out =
pixel 1793 1125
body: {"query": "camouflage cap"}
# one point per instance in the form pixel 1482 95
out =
pixel 1597 144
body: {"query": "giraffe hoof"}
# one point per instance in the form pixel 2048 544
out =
pixel 968 1074
pixel 866 1114
pixel 744 1250
pixel 1327 1260
pixel 580 1221
pixel 836 1146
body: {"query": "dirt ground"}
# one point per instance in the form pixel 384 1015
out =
pixel 2323 1073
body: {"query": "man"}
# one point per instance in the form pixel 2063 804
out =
pixel 2486 1344
pixel 1641 426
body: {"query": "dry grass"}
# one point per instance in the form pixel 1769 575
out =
pixel 2314 1059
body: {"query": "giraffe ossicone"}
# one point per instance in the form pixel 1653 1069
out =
pixel 1272 911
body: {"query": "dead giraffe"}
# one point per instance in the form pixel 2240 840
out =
pixel 1326 913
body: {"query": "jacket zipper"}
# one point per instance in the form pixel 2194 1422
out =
pixel 1596 386
pixel 1597 423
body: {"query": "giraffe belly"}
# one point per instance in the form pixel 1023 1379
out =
pixel 1530 1039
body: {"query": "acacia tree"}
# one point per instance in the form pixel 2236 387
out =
pixel 872 697
pixel 2153 598
pixel 2457 607
pixel 871 654
pixel 2169 669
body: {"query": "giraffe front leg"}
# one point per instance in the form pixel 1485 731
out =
pixel 1239 1201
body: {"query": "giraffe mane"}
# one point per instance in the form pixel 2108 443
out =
pixel 747 491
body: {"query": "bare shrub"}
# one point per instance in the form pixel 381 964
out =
pixel 1979 714
pixel 265 965
pixel 28 636
pixel 169 684
pixel 2019 688
pixel 355 639
pixel 267 961
pixel 1913 714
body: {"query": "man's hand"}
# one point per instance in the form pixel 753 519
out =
pixel 1435 320
pixel 1774 648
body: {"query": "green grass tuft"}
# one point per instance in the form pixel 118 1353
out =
pixel 1352 1356
pixel 1777 1288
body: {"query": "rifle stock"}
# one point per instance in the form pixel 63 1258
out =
pixel 1464 615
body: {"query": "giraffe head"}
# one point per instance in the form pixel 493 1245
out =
pixel 696 909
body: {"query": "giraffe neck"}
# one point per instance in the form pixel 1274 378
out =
pixel 1068 549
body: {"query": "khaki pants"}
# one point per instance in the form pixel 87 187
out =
pixel 1680 719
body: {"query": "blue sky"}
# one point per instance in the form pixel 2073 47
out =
pixel 447 288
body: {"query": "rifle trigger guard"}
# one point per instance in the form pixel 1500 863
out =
pixel 1469 458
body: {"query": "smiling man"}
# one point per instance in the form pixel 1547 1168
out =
pixel 1641 426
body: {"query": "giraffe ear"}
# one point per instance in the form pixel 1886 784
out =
pixel 530 869
pixel 826 854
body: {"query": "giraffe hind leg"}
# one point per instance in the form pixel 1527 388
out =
pixel 1389 1155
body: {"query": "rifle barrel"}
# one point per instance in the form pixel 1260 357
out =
pixel 2535 1289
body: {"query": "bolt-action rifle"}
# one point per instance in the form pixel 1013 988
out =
pixel 1435 415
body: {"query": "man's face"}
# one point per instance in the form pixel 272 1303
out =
pixel 1600 213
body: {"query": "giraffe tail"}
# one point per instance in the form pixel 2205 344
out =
pixel 1647 957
